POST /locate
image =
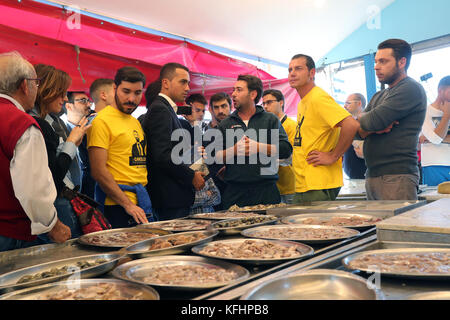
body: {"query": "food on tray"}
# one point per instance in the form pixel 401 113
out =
pixel 181 224
pixel 177 240
pixel 236 223
pixel 257 207
pixel 250 249
pixel 341 221
pixel 444 187
pixel 61 271
pixel 422 263
pixel 189 275
pixel 226 215
pixel 102 291
pixel 300 233
pixel 119 238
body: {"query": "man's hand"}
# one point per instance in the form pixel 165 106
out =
pixel 246 147
pixel 318 158
pixel 136 212
pixel 388 129
pixel 60 232
pixel 423 139
pixel 198 182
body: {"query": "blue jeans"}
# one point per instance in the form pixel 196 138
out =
pixel 12 244
pixel 67 216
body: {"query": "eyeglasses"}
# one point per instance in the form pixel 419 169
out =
pixel 268 102
pixel 83 100
pixel 37 80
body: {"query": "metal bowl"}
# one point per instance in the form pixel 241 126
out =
pixel 347 233
pixel 8 281
pixel 224 215
pixel 136 271
pixel 141 249
pixel 165 225
pixel 327 216
pixel 237 229
pixel 319 284
pixel 84 239
pixel 303 250
pixel 127 289
pixel 434 295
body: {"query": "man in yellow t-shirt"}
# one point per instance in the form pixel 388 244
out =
pixel 117 152
pixel 325 130
pixel 273 101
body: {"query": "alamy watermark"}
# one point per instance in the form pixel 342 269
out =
pixel 74 19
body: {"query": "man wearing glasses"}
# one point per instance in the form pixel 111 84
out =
pixel 325 131
pixel 353 161
pixel 273 101
pixel 27 190
pixel 78 106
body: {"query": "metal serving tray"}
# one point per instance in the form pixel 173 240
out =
pixel 160 225
pixel 304 251
pixel 434 295
pixel 318 284
pixel 238 229
pixel 141 249
pixel 135 271
pixel 300 218
pixel 252 233
pixel 414 275
pixel 127 289
pixel 84 239
pixel 8 281
pixel 224 215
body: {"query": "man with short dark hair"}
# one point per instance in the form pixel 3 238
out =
pixel 119 169
pixel 391 126
pixel 102 93
pixel 435 139
pixel 172 185
pixel 273 101
pixel 27 190
pixel 324 132
pixel 219 107
pixel 194 122
pixel 251 135
pixel 353 160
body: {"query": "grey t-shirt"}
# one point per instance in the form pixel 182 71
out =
pixel 394 152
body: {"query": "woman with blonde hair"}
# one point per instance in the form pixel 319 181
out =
pixel 61 145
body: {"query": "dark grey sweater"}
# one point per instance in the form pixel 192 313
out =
pixel 394 152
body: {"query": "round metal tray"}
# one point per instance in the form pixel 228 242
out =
pixel 8 281
pixel 251 233
pixel 434 295
pixel 84 239
pixel 413 275
pixel 327 216
pixel 225 215
pixel 303 250
pixel 125 288
pixel 160 225
pixel 141 249
pixel 136 270
pixel 238 229
pixel 318 284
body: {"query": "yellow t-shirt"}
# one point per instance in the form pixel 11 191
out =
pixel 317 116
pixel 122 136
pixel 286 180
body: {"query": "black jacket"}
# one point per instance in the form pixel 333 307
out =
pixel 170 185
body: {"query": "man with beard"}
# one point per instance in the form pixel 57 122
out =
pixel 251 136
pixel 172 183
pixel 118 156
pixel 391 126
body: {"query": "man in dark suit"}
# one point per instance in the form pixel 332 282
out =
pixel 172 184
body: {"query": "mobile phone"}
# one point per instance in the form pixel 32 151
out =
pixel 91 117
pixel 184 110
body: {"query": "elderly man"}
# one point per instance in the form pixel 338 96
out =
pixel 26 209
pixel 353 160
pixel 391 126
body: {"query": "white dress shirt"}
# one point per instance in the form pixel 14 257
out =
pixel 31 178
pixel 435 152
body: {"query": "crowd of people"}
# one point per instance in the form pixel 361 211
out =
pixel 169 164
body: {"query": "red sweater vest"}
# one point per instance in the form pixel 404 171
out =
pixel 14 223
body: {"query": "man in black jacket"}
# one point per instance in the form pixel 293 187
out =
pixel 253 142
pixel 172 184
